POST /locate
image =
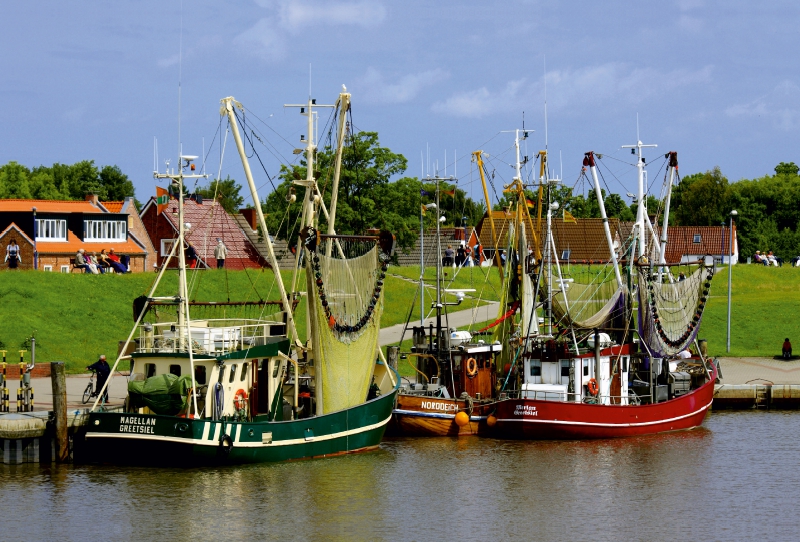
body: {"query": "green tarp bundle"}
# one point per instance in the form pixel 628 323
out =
pixel 163 394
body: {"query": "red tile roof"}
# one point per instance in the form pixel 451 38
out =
pixel 73 243
pixel 210 221
pixel 113 206
pixel 48 206
pixel 680 241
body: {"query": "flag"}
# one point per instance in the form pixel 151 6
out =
pixel 569 218
pixel 424 193
pixel 451 193
pixel 529 202
pixel 162 199
pixel 423 209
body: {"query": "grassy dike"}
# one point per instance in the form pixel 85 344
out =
pixel 77 317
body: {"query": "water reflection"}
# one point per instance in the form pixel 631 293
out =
pixel 736 477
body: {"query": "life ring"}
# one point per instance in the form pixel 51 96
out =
pixel 240 400
pixel 472 367
pixel 592 386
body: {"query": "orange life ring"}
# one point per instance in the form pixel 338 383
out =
pixel 472 367
pixel 593 387
pixel 240 400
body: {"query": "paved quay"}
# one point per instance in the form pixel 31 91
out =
pixel 43 392
pixel 740 371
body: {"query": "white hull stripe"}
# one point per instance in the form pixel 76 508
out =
pixel 238 433
pixel 421 414
pixel 203 442
pixel 217 429
pixel 206 429
pixel 592 424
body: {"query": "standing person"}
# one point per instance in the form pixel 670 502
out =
pixel 103 371
pixel 12 254
pixel 220 253
pixel 460 255
pixel 448 256
pixel 787 349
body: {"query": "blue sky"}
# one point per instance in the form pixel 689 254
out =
pixel 717 81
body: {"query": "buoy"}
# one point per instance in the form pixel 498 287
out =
pixel 507 368
pixel 491 421
pixel 462 419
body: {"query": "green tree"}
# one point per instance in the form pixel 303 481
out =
pixel 117 185
pixel 227 191
pixel 701 199
pixel 786 169
pixel 14 181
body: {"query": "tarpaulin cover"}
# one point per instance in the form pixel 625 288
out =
pixel 163 394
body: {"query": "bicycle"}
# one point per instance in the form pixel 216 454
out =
pixel 89 392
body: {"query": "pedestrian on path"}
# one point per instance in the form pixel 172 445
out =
pixel 103 372
pixel 220 253
pixel 787 349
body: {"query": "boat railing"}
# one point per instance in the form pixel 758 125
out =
pixel 212 337
pixel 567 397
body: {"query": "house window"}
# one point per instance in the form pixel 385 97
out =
pixel 565 254
pixel 696 237
pixel 166 246
pixel 105 230
pixel 48 268
pixel 65 269
pixel 51 229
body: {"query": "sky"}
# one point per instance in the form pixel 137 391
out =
pixel 719 82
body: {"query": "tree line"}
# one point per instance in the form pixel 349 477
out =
pixel 768 207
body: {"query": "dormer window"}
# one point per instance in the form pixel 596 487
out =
pixel 105 230
pixel 696 237
pixel 51 229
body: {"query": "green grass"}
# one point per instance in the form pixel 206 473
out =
pixel 77 317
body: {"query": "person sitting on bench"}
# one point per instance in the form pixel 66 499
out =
pixel 115 262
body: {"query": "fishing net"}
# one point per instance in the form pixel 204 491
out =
pixel 345 305
pixel 670 312
pixel 588 305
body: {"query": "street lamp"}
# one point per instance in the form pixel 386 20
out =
pixel 730 271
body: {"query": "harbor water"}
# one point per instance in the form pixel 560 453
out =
pixel 737 477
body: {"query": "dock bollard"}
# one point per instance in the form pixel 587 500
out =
pixel 19 400
pixel 3 386
pixel 30 404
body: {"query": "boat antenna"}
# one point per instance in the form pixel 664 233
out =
pixel 545 101
pixel 180 77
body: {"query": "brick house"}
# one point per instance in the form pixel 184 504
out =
pixel 63 227
pixel 208 222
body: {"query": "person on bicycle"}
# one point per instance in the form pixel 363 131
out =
pixel 103 371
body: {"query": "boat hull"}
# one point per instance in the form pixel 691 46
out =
pixel 553 420
pixel 416 416
pixel 125 438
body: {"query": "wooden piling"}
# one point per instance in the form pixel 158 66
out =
pixel 392 353
pixel 59 380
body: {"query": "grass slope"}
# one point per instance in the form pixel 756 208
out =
pixel 76 317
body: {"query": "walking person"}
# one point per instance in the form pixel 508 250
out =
pixel 787 349
pixel 12 254
pixel 220 253
pixel 103 371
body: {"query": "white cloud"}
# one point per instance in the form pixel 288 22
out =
pixel 613 85
pixel 404 89
pixel 267 37
pixel 169 61
pixel 779 107
pixel 74 115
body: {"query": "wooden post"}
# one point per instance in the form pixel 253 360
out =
pixel 59 380
pixel 391 356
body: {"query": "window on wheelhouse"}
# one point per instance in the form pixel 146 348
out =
pixel 244 372
pixel 564 367
pixel 200 374
pixel 149 370
pixel 233 374
pixel 585 367
pixel 175 369
pixel 536 367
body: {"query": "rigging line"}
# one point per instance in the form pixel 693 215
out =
pixel 268 145
pixel 611 172
pixel 272 129
pixel 219 129
pixel 256 154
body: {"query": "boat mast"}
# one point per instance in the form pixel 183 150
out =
pixel 479 162
pixel 673 168
pixel 641 211
pixel 184 333
pixel 227 108
pixel 343 103
pixel 593 168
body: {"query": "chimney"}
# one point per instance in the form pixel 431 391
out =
pixel 92 198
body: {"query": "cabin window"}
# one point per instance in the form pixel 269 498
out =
pixel 200 374
pixel 625 365
pixel 697 238
pixel 586 367
pixel 233 374
pixel 221 373
pixel 564 367
pixel 149 370
pixel 275 370
pixel 536 367
pixel 175 369
pixel 244 372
